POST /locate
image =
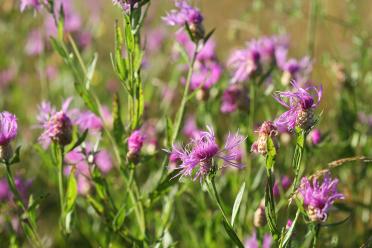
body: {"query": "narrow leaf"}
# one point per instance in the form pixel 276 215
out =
pixel 237 202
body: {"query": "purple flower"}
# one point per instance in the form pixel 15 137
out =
pixel 35 43
pixel 190 128
pixel 86 120
pixel 285 184
pixel 252 242
pixel 300 104
pixel 197 157
pixel 184 13
pixel 82 158
pixel 4 190
pixel 266 131
pixel 298 70
pixel 36 4
pixel 206 74
pixel 7 75
pixel 57 126
pixel 135 143
pixel 126 4
pixel 244 62
pixel 8 127
pixel 234 97
pixel 21 185
pixel 319 197
pixel 289 224
pixel 207 69
pixel 315 136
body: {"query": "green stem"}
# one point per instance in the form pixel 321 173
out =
pixel 252 103
pixel 297 156
pixel 270 205
pixel 29 222
pixel 312 27
pixel 60 157
pixel 316 234
pixel 181 111
pixel 215 196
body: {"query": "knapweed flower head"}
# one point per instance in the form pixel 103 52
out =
pixel 267 130
pixel 198 157
pixel 252 242
pixel 318 196
pixel 8 132
pixel 298 70
pixel 234 97
pixel 57 126
pixel 301 104
pixel 257 54
pixel 245 62
pixel 86 120
pixel 135 143
pixel 185 14
pixel 35 4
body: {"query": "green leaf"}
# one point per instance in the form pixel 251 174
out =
pixel 271 154
pixel 72 192
pixel 16 157
pixel 78 140
pixel 118 127
pixel 90 71
pixel 232 234
pixel 206 38
pixel 119 217
pixel 165 184
pixel 289 232
pixel 169 131
pixel 237 202
pixel 87 97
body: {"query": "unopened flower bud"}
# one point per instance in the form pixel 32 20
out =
pixel 135 143
pixel 259 218
pixel 8 131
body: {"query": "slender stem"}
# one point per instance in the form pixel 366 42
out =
pixel 316 234
pixel 252 103
pixel 297 157
pixel 60 158
pixel 312 27
pixel 181 111
pixel 34 237
pixel 217 197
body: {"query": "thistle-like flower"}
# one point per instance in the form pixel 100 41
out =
pixel 233 98
pixel 185 14
pixel 244 62
pixel 300 104
pixel 8 131
pixel 198 156
pixel 319 197
pixel 57 126
pixel 266 131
